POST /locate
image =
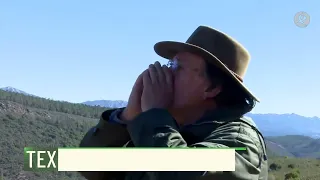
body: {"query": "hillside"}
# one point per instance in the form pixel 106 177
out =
pixel 294 145
pixel 25 126
pixel 276 149
pixel 34 121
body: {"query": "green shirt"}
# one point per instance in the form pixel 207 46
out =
pixel 157 128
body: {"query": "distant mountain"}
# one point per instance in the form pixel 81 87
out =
pixel 15 90
pixel 293 146
pixel 287 124
pixel 107 103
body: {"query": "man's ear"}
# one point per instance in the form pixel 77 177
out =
pixel 212 92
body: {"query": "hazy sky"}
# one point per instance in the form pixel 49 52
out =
pixel 79 50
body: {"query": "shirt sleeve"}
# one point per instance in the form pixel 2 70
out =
pixel 105 134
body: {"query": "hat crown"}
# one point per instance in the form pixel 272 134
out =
pixel 230 52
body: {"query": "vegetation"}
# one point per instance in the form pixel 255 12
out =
pixel 21 126
pixel 32 121
pixel 294 168
pixel 293 157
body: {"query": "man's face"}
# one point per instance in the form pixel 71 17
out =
pixel 190 82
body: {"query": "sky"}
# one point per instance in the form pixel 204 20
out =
pixel 78 50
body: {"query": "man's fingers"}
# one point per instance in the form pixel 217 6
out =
pixel 138 85
pixel 160 73
pixel 146 78
pixel 168 74
pixel 153 73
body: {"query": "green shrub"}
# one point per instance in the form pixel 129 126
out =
pixel 292 175
pixel 292 166
pixel 274 167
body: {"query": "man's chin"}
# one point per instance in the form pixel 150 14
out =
pixel 176 109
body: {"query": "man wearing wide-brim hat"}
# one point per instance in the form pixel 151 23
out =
pixel 199 100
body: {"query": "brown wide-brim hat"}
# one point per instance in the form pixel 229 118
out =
pixel 217 48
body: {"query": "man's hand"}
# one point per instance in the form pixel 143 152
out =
pixel 157 87
pixel 134 103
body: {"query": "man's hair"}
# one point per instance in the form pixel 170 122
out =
pixel 231 95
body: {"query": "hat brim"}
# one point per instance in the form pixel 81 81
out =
pixel 168 49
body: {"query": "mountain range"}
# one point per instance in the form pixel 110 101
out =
pixel 15 90
pixel 269 124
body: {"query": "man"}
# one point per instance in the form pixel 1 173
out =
pixel 199 100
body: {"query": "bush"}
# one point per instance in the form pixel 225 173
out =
pixel 292 166
pixel 292 175
pixel 275 167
